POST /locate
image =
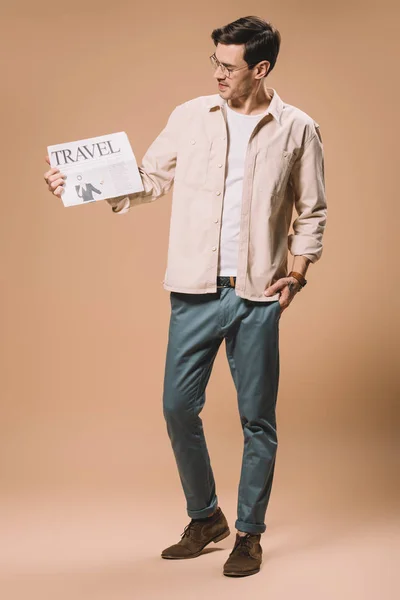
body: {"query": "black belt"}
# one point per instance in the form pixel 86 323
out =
pixel 226 281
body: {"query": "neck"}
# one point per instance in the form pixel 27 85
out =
pixel 253 104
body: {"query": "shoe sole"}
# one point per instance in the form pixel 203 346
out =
pixel 232 574
pixel 219 538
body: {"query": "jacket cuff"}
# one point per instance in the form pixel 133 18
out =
pixel 304 245
pixel 122 207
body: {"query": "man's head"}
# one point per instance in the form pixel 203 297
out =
pixel 246 52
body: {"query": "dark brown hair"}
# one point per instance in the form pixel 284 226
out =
pixel 261 40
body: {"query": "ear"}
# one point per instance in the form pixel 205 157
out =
pixel 267 66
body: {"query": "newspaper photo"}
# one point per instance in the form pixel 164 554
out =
pixel 96 168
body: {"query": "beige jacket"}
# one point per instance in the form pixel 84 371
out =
pixel 284 166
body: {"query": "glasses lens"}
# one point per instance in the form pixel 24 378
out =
pixel 216 64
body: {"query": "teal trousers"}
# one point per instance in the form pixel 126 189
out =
pixel 198 325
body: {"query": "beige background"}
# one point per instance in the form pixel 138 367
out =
pixel 89 488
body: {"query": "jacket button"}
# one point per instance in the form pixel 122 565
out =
pixel 192 141
pixel 220 165
pixel 216 220
pixel 214 248
pixel 218 193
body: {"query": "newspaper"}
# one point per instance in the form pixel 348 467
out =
pixel 96 168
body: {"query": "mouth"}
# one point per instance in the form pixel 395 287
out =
pixel 222 86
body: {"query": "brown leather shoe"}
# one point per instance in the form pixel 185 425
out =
pixel 246 556
pixel 197 534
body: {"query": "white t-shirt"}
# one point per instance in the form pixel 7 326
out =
pixel 240 128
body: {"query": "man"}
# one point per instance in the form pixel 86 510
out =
pixel 239 161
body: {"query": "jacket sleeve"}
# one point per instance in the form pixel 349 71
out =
pixel 157 170
pixel 308 185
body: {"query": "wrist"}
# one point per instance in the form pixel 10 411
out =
pixel 299 277
pixel 300 264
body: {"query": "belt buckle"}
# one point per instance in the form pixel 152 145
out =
pixel 227 281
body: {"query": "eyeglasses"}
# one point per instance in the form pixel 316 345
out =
pixel 225 70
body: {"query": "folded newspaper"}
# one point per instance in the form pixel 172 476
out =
pixel 96 168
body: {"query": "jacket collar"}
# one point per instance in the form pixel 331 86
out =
pixel 275 107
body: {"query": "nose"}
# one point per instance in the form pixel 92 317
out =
pixel 216 74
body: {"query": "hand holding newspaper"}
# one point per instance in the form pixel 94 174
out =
pixel 96 168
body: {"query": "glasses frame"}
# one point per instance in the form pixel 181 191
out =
pixel 226 70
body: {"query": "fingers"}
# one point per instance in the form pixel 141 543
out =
pixel 47 158
pixel 51 180
pixel 58 191
pixel 286 298
pixel 56 186
pixel 55 180
pixel 50 174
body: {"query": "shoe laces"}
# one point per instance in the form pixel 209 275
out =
pixel 189 527
pixel 243 545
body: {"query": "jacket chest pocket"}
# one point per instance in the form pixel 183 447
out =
pixel 192 160
pixel 273 170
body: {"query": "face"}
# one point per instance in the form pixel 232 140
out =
pixel 241 83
